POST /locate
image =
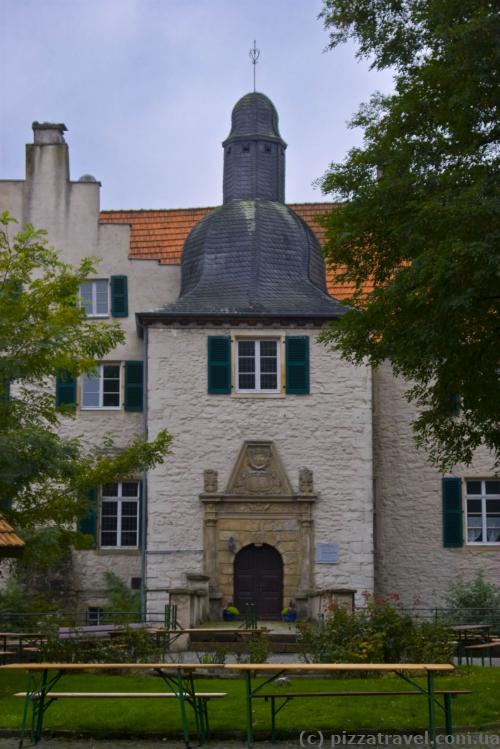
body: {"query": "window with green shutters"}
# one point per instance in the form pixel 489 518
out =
pixel 219 365
pixel 119 296
pixel 258 365
pixel 297 365
pixel 65 389
pixel 452 512
pixel 134 385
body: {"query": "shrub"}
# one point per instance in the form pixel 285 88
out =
pixel 130 646
pixel 382 632
pixel 256 649
pixel 474 601
pixel 122 602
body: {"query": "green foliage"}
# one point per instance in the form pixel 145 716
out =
pixel 474 601
pixel 130 646
pixel 216 656
pixel 418 215
pixel 121 600
pixel 382 632
pixel 21 609
pixel 256 649
pixel 44 476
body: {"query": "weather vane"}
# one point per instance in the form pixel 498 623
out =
pixel 254 56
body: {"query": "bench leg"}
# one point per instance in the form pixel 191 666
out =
pixel 248 685
pixel 447 714
pixel 273 720
pixel 432 707
pixel 182 706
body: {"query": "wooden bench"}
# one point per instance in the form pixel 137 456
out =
pixel 116 695
pixel 178 677
pixel 270 672
pixel 271 697
pixel 481 649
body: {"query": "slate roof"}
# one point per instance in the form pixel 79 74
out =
pixel 254 116
pixel 160 234
pixel 253 258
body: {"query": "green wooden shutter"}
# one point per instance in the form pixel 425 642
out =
pixel 452 512
pixel 219 365
pixel 88 524
pixel 65 389
pixel 454 404
pixel 134 385
pixel 297 365
pixel 4 389
pixel 119 296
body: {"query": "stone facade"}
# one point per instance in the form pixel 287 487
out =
pixel 410 558
pixel 210 431
pixel 341 460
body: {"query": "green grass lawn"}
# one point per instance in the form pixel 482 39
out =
pixel 481 709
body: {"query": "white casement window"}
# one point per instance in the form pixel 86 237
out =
pixel 95 297
pixel 101 389
pixel 483 511
pixel 258 365
pixel 119 525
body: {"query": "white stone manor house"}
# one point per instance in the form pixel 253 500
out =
pixel 293 473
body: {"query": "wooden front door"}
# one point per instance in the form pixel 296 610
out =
pixel 258 579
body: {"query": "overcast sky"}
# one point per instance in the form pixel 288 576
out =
pixel 146 88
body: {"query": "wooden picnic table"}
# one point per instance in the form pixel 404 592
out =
pixel 18 637
pixel 468 635
pixel 169 636
pixel 177 676
pixel 274 670
pixel 464 630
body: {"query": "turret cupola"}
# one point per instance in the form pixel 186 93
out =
pixel 254 152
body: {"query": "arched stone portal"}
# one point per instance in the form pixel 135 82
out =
pixel 258 580
pixel 258 508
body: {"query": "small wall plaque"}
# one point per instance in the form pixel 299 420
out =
pixel 327 553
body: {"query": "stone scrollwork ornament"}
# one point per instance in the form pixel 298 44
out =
pixel 210 481
pixel 306 481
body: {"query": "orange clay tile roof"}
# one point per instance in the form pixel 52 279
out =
pixel 160 234
pixel 10 544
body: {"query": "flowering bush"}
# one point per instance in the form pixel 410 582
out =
pixel 381 632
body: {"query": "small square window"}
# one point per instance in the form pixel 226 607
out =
pixel 95 297
pixel 94 615
pixel 246 148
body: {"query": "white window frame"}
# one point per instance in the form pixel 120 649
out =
pixel 99 371
pixel 482 497
pixel 97 615
pixel 94 282
pixel 119 499
pixel 257 389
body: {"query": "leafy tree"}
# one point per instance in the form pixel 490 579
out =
pixel 416 229
pixel 44 475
